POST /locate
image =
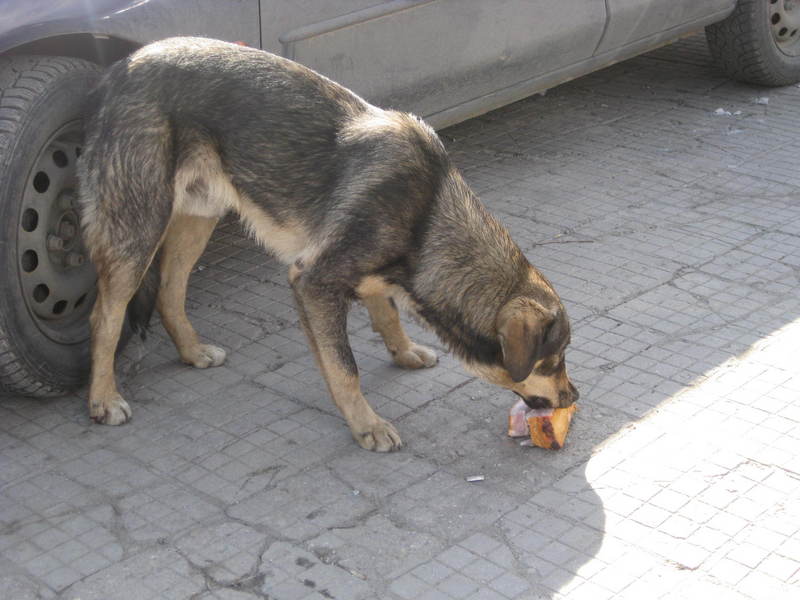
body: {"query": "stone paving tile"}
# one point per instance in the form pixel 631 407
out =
pixel 155 573
pixel 673 236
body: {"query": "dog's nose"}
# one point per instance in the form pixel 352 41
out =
pixel 568 398
pixel 537 402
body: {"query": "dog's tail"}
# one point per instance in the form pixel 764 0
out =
pixel 143 303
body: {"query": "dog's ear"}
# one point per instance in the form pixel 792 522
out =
pixel 522 325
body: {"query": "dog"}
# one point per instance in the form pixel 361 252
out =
pixel 363 204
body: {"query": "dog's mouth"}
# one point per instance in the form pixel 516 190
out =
pixel 536 402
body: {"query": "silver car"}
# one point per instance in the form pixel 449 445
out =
pixel 445 60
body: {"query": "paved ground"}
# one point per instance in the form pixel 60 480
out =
pixel 671 230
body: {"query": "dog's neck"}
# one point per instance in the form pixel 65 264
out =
pixel 467 269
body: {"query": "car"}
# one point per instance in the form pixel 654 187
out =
pixel 445 60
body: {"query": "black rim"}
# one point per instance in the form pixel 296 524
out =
pixel 58 281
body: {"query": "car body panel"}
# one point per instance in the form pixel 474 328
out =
pixel 545 81
pixel 139 21
pixel 633 20
pixel 429 54
pixel 279 17
pixel 445 60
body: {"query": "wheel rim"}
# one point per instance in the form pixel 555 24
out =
pixel 784 18
pixel 58 281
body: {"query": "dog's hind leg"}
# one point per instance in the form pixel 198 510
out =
pixel 116 283
pixel 386 321
pixel 323 314
pixel 184 242
pixel 126 199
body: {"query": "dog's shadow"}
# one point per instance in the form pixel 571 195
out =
pixel 531 513
pixel 534 507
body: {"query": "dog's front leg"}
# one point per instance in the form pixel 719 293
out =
pixel 386 321
pixel 323 314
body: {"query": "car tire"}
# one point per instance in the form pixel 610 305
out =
pixel 48 284
pixel 759 42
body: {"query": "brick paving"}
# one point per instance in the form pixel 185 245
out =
pixel 672 231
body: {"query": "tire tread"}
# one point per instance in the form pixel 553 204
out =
pixel 739 46
pixel 22 79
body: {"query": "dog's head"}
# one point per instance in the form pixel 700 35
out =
pixel 533 340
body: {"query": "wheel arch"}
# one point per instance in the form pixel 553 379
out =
pixel 100 49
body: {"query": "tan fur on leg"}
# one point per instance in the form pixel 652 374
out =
pixel 106 406
pixel 370 430
pixel 320 322
pixel 386 321
pixel 185 240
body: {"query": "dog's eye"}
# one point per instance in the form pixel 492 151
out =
pixel 550 365
pixel 546 367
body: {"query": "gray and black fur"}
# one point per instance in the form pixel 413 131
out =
pixel 362 203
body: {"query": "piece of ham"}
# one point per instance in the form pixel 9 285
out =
pixel 517 423
pixel 546 428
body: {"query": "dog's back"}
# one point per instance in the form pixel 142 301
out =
pixel 203 127
pixel 188 105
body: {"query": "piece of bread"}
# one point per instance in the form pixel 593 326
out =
pixel 546 428
pixel 550 430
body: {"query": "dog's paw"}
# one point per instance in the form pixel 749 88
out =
pixel 380 437
pixel 205 355
pixel 114 411
pixel 416 357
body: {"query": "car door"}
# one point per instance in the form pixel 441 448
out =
pixel 631 21
pixel 428 55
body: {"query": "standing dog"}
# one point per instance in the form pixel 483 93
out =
pixel 362 203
